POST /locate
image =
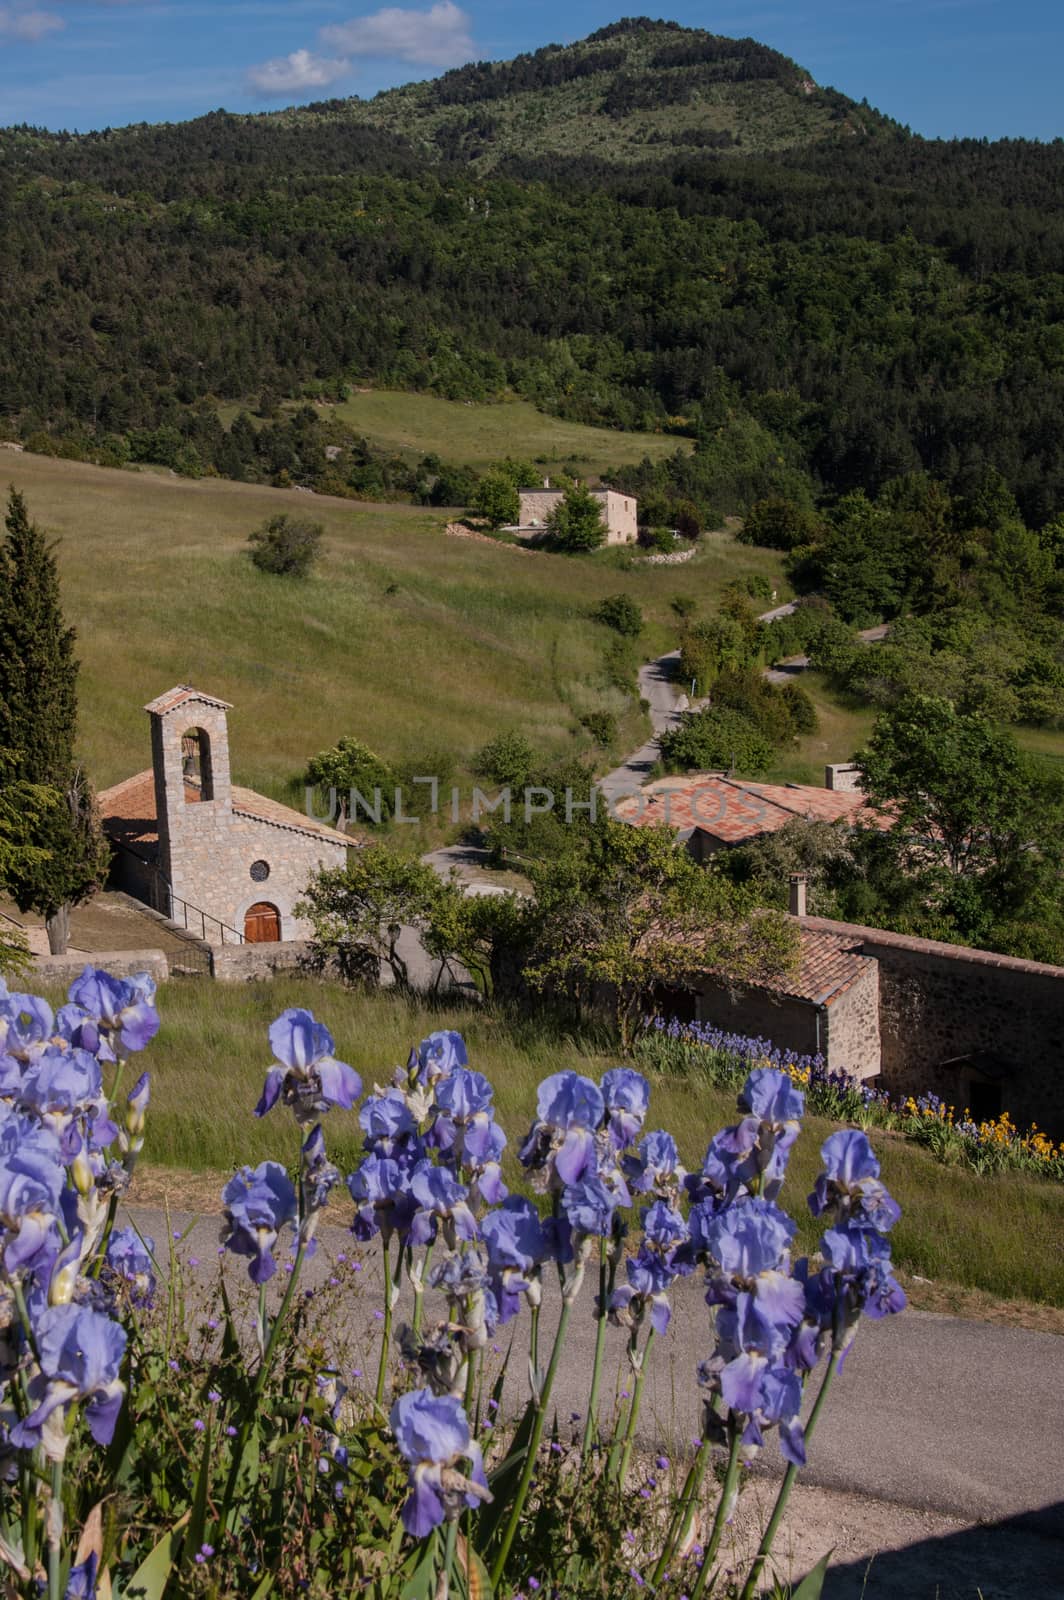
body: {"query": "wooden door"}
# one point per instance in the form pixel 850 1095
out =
pixel 262 924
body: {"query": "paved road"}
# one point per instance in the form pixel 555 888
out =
pixel 931 1412
pixel 657 684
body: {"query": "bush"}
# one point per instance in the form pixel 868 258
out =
pixel 717 739
pixel 508 760
pixel 286 546
pixel 800 709
pixel 620 612
pixel 778 524
pixel 660 539
pixel 497 500
pixel 350 766
pixel 576 522
pixel 602 726
pixel 684 605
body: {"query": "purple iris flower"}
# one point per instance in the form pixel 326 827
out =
pixel 130 1258
pixel 32 1182
pixel 441 1200
pixel 305 1070
pixel 83 1032
pixel 768 1395
pixel 26 1025
pixel 850 1185
pixel 750 1244
pixel 60 1084
pixel 771 1096
pixel 463 1094
pixel 386 1118
pixel 380 1188
pixel 655 1165
pixel 80 1354
pixel 81 1584
pixel 589 1206
pixel 433 1435
pixel 650 1277
pixel 860 1259
pixel 627 1097
pixel 517 1244
pixel 561 1142
pixel 258 1203
pixel 132 1135
pixel 120 1006
pixel 440 1054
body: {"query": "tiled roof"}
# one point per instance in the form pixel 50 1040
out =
pixel 182 695
pixel 733 811
pixel 129 816
pixel 828 964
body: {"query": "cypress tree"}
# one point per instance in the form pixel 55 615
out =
pixel 38 668
pixel 66 856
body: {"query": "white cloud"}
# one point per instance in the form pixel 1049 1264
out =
pixel 297 72
pixel 22 22
pixel 438 37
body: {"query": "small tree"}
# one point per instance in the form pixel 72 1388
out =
pixel 633 911
pixel 358 912
pixel 497 499
pixel 350 765
pixel 22 809
pixel 286 546
pixel 63 857
pixel 508 759
pixel 717 739
pixel 576 521
pixel 620 612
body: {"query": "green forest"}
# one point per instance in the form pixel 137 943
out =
pixel 857 305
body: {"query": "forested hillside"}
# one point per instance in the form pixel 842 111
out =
pixel 837 308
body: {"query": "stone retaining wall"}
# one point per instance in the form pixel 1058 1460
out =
pixel 119 963
pixel 240 963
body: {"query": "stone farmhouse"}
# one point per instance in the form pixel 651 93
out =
pixel 227 862
pixel 619 512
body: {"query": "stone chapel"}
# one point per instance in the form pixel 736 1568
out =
pixel 228 863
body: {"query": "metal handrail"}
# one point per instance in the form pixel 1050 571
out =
pixel 174 900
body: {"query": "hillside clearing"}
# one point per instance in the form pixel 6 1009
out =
pixel 413 642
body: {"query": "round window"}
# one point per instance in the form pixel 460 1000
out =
pixel 260 871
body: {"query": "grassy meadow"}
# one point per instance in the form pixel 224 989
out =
pixel 410 640
pixel 422 424
pixel 1002 1235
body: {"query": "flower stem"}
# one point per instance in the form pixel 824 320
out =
pixel 529 1466
pixel 55 1534
pixel 633 1410
pixel 386 1331
pixel 684 1512
pixel 601 1309
pixel 725 1507
pixel 764 1549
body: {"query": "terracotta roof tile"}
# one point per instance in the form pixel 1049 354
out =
pixel 129 816
pixel 732 811
pixel 828 965
pixel 182 695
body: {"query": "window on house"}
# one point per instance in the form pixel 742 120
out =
pixel 196 766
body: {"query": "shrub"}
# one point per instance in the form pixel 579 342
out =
pixel 576 524
pixel 508 760
pixel 717 739
pixel 348 768
pixel 779 524
pixel 620 612
pixel 286 546
pixel 660 539
pixel 684 605
pixel 800 709
pixel 602 726
pixel 497 499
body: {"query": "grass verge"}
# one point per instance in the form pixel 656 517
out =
pixel 998 1236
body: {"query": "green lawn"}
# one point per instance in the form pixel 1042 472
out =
pixel 1002 1234
pixel 844 727
pixel 410 640
pixel 422 424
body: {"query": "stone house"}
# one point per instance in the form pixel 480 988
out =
pixel 230 863
pixel 619 512
pixel 711 812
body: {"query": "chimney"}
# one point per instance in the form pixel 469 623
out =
pixel 843 776
pixel 546 483
pixel 799 882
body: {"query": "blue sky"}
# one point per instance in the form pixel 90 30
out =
pixel 976 67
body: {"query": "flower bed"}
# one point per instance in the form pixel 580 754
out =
pixel 724 1058
pixel 153 1448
